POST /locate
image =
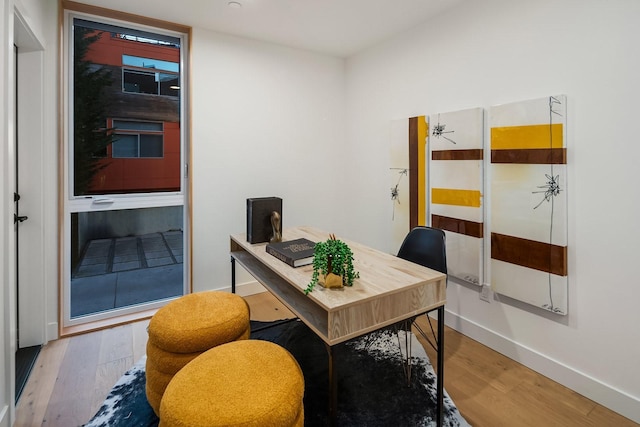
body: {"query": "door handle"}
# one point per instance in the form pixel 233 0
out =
pixel 17 218
pixel 102 200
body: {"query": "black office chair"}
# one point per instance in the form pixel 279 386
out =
pixel 425 246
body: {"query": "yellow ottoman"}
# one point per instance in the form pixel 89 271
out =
pixel 185 328
pixel 248 383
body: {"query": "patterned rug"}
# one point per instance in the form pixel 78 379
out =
pixel 372 386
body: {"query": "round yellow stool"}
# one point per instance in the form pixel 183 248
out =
pixel 185 328
pixel 249 383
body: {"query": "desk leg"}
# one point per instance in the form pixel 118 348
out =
pixel 440 379
pixel 333 389
pixel 233 275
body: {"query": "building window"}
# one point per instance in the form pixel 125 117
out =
pixel 151 76
pixel 137 139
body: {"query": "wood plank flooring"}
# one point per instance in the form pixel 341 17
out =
pixel 492 390
pixel 72 376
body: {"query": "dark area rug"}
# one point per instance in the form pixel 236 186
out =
pixel 372 386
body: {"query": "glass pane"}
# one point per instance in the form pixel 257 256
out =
pixel 151 146
pixel 169 85
pixel 125 146
pixel 102 108
pixel 125 257
pixel 140 82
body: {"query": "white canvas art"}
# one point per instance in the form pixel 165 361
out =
pixel 456 184
pixel 529 202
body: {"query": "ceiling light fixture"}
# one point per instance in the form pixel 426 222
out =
pixel 235 4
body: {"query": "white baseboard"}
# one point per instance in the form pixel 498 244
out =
pixel 52 332
pixel 246 289
pixel 616 400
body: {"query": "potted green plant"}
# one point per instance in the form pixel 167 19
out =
pixel 332 265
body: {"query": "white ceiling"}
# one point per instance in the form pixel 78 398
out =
pixel 336 27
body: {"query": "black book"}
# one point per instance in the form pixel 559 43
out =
pixel 296 252
pixel 259 209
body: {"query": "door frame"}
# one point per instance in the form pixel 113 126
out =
pixel 30 158
pixel 17 31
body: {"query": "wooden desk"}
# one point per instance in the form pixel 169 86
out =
pixel 388 291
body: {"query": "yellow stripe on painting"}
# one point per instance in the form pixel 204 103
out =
pixel 422 190
pixel 527 137
pixel 448 196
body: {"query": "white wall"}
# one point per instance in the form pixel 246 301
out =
pixel 267 121
pixel 488 52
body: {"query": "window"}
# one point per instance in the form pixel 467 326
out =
pixel 163 80
pixel 135 140
pixel 140 148
pixel 125 229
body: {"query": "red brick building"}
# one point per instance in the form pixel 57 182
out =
pixel 143 109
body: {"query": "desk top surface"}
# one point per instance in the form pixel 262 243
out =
pixel 381 274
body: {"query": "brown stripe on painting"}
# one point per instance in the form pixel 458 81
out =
pixel 529 253
pixel 413 172
pixel 539 156
pixel 471 154
pixel 460 226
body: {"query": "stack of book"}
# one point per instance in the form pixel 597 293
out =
pixel 296 252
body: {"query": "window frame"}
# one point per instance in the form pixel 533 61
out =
pixel 81 202
pixel 71 203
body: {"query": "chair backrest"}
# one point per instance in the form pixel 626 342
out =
pixel 425 246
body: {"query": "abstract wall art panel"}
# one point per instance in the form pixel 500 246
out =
pixel 529 202
pixel 407 177
pixel 456 184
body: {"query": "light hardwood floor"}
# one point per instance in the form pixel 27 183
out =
pixel 72 376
